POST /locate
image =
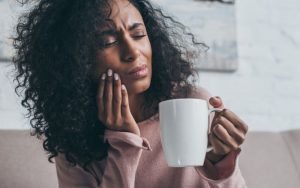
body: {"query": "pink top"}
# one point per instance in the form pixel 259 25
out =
pixel 135 161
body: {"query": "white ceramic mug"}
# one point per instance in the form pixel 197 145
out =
pixel 184 131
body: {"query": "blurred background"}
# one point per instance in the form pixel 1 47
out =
pixel 263 86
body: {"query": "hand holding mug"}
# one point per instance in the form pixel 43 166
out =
pixel 184 129
pixel 228 131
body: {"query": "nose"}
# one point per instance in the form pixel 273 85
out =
pixel 130 51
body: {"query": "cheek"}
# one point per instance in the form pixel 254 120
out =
pixel 105 61
pixel 147 51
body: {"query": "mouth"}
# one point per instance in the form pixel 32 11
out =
pixel 139 71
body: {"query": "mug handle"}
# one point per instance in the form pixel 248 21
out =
pixel 209 148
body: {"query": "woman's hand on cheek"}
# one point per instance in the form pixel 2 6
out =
pixel 228 131
pixel 113 104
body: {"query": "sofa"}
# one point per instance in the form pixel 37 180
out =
pixel 268 160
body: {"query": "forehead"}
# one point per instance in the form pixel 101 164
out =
pixel 123 14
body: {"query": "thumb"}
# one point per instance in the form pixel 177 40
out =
pixel 216 102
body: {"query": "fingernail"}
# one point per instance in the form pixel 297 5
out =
pixel 123 87
pixel 109 72
pixel 116 76
pixel 103 76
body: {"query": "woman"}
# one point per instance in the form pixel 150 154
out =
pixel 94 73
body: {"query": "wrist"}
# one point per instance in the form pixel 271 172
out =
pixel 135 131
pixel 215 158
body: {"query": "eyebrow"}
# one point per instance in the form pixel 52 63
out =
pixel 108 32
pixel 113 31
pixel 134 26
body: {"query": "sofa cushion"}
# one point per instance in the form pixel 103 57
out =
pixel 23 162
pixel 271 160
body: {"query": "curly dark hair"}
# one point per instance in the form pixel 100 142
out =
pixel 55 50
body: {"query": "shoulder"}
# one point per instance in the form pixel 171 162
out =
pixel 62 162
pixel 199 93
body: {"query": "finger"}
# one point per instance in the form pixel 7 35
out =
pixel 117 98
pixel 108 97
pixel 216 102
pixel 237 135
pixel 100 95
pixel 218 146
pixel 125 110
pixel 236 121
pixel 220 132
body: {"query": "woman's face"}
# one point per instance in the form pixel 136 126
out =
pixel 125 48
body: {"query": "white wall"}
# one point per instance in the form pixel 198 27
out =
pixel 265 91
pixel 11 112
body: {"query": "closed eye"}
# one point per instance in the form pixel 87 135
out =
pixel 107 44
pixel 108 41
pixel 138 34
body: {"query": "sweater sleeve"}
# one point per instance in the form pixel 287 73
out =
pixel 120 165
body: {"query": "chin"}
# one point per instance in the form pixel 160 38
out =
pixel 139 87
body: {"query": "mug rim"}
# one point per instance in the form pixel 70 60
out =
pixel 182 99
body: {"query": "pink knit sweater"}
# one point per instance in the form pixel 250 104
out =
pixel 139 162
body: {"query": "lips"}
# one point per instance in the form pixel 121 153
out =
pixel 137 69
pixel 138 72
